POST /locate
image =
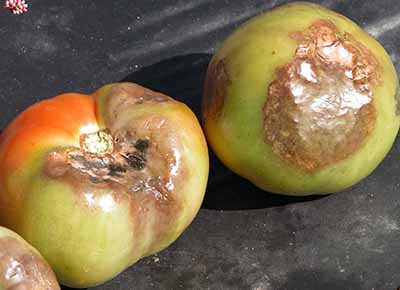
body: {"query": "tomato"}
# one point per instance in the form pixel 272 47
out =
pixel 96 182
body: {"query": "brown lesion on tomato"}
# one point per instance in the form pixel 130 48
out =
pixel 141 161
pixel 135 163
pixel 23 269
pixel 216 83
pixel 124 95
pixel 320 108
pixel 118 159
pixel 397 98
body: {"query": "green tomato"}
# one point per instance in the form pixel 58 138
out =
pixel 300 100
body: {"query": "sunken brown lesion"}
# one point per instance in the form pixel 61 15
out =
pixel 320 108
pixel 112 165
pixel 216 83
pixel 125 95
pixel 135 164
pixel 21 269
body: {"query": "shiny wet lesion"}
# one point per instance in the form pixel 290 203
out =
pixel 134 165
pixel 320 108
pixel 101 162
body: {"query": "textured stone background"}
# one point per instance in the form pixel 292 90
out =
pixel 242 238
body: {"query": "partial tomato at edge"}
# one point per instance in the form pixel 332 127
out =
pixel 21 266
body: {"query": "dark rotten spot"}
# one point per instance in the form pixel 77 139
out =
pixel 117 169
pixel 136 160
pixel 142 145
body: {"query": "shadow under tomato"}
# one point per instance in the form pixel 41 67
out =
pixel 182 77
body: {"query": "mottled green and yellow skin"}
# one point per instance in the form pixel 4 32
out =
pixel 238 87
pixel 21 266
pixel 92 228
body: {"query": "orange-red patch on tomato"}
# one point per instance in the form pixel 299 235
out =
pixel 61 117
pixel 68 112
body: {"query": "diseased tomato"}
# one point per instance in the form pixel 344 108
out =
pixel 300 100
pixel 96 182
